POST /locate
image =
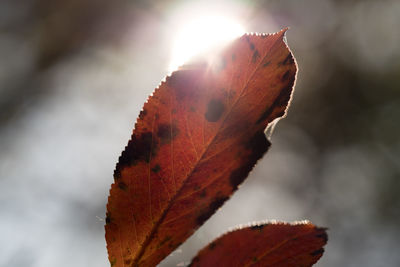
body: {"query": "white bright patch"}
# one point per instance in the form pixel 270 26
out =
pixel 202 34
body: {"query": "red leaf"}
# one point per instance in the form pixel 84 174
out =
pixel 270 244
pixel 195 141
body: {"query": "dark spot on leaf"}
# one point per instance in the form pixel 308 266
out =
pixel 108 218
pixel 257 145
pixel 122 186
pixel 113 261
pixel 233 57
pixel 192 109
pixel 117 174
pixel 288 59
pixel 138 149
pixel 184 82
pixel 317 252
pixel 211 209
pixel 258 227
pixel 255 259
pixel 215 109
pixel 203 194
pixel 251 46
pixel 166 133
pixel 165 240
pixel 256 55
pixel 128 261
pixel 156 168
pixel 286 76
pixel 265 114
pixel 142 113
pixel 212 245
pixel 266 64
pixel 281 100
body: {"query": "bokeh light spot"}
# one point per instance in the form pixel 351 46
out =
pixel 202 34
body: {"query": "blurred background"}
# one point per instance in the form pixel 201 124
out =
pixel 75 74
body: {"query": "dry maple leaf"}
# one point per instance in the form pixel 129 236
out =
pixel 196 139
pixel 265 244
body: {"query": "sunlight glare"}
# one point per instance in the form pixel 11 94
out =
pixel 202 34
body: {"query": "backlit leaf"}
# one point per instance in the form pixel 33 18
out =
pixel 195 141
pixel 267 244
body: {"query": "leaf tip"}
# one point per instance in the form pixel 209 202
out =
pixel 282 34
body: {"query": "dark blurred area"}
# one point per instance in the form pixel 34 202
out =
pixel 75 74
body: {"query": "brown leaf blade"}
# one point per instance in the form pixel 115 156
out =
pixel 266 244
pixel 195 141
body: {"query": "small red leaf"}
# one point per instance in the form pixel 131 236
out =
pixel 270 244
